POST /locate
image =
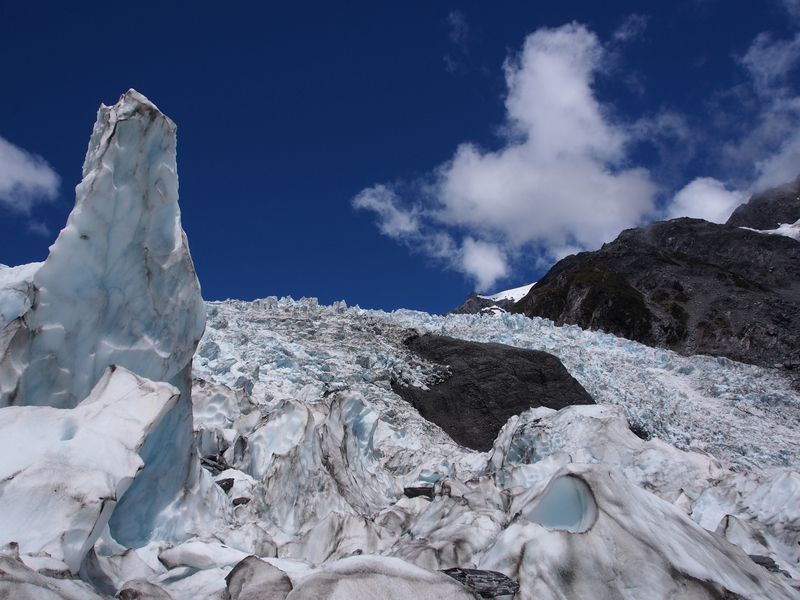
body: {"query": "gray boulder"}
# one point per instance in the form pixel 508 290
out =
pixel 255 579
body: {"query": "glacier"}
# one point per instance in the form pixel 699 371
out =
pixel 269 354
pixel 233 449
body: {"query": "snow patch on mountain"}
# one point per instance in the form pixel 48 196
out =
pixel 791 230
pixel 514 295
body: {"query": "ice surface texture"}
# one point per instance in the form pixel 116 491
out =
pixel 64 470
pixel 16 291
pixel 311 449
pixel 118 286
pixel 365 578
pixel 638 545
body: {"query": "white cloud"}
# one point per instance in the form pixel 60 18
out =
pixel 769 152
pixel 564 179
pixel 560 182
pixel 485 262
pixel 632 28
pixel 393 221
pixel 706 198
pixel 792 7
pixel 25 179
pixel 769 62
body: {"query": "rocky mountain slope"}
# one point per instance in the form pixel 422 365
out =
pixel 495 304
pixel 689 285
pixel 770 209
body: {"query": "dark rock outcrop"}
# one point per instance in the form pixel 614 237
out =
pixel 489 383
pixel 475 304
pixel 488 584
pixel 688 285
pixel 769 209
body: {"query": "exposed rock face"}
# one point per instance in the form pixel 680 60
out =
pixel 489 383
pixel 687 285
pixel 475 304
pixel 770 209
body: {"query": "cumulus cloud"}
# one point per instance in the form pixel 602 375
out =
pixel 393 220
pixel 564 178
pixel 706 198
pixel 561 182
pixel 25 179
pixel 485 262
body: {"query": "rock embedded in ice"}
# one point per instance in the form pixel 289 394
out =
pixel 64 470
pixel 487 384
pixel 137 589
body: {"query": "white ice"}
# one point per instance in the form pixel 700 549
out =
pixel 16 291
pixel 296 356
pixel 118 286
pixel 63 470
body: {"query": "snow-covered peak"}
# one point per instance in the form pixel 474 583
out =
pixel 514 295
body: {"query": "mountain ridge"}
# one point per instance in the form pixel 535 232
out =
pixel 689 285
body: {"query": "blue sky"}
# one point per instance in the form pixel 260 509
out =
pixel 403 154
